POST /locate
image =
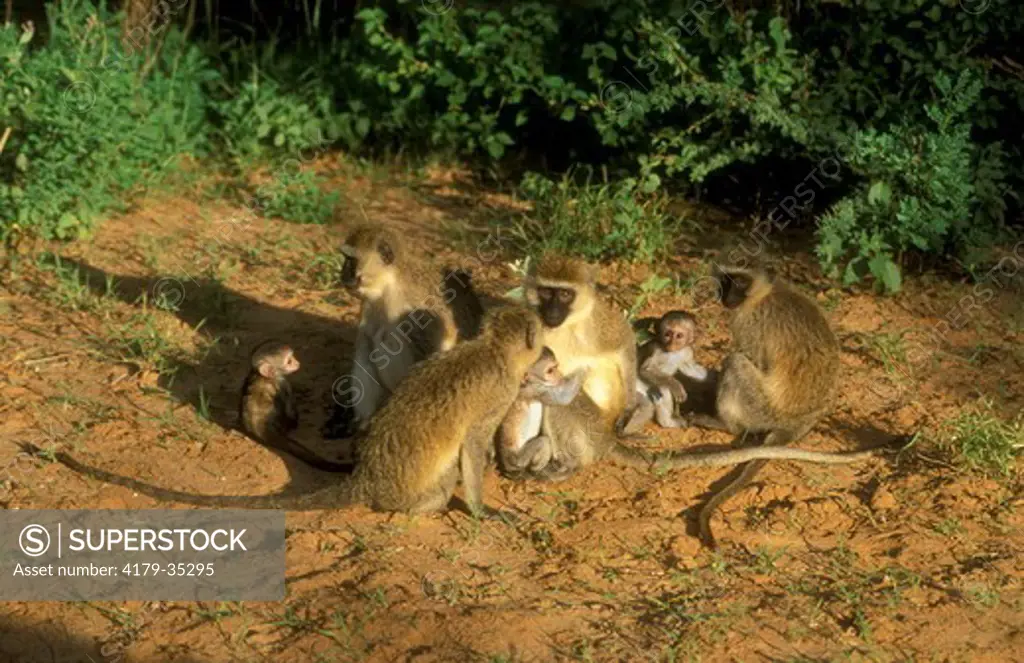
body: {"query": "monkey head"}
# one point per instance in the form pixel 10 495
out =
pixel 274 360
pixel 371 257
pixel 544 370
pixel 561 289
pixel 515 330
pixel 737 285
pixel 676 330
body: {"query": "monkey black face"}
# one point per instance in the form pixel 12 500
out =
pixel 554 304
pixel 734 287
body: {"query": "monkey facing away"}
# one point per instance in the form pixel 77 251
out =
pixel 407 313
pixel 585 331
pixel 552 431
pixel 660 358
pixel 267 408
pixel 781 376
pixel 437 429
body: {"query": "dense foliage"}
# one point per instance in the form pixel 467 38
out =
pixel 895 119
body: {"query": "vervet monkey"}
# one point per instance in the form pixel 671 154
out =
pixel 267 408
pixel 585 331
pixel 781 377
pixel 406 316
pixel 521 444
pixel 436 429
pixel 668 352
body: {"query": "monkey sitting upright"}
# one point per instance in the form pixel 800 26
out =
pixel 408 313
pixel 660 358
pixel 585 331
pixel 782 374
pixel 267 408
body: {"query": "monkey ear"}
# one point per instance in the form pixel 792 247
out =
pixel 387 254
pixel 266 370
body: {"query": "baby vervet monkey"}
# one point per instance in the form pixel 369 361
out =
pixel 267 409
pixel 522 446
pixel 670 351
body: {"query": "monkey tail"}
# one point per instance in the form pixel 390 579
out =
pixel 340 494
pixel 294 448
pixel 629 456
pixel 749 471
pixel 678 459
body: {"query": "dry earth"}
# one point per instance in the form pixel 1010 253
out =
pixel 902 558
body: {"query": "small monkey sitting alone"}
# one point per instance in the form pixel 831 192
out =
pixel 658 392
pixel 267 409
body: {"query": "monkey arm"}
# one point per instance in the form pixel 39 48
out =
pixel 659 382
pixel 369 391
pixel 284 403
pixel 565 391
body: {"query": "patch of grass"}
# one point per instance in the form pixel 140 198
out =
pixel 626 219
pixel 889 348
pixel 983 442
pixel 72 290
pixel 298 197
pixel 651 286
pixel 949 527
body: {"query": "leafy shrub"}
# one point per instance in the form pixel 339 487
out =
pixel 89 121
pixel 624 219
pixel 920 191
pixel 906 93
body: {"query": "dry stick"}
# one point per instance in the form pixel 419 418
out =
pixel 3 139
pixel 8 14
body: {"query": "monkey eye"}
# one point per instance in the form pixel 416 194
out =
pixel 565 296
pixel 544 293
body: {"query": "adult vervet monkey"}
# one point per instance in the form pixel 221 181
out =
pixel 782 374
pixel 408 313
pixel 585 331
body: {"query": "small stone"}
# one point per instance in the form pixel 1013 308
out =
pixel 883 500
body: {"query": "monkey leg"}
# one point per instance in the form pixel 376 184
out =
pixel 643 413
pixel 472 464
pixel 438 497
pixel 741 402
pixel 664 412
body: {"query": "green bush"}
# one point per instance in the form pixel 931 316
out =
pixel 906 93
pixel 90 122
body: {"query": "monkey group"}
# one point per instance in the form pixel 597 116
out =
pixel 542 387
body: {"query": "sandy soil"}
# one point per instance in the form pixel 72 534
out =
pixel 902 558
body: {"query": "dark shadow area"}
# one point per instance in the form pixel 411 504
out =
pixel 25 643
pixel 235 324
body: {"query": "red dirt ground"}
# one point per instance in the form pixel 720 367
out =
pixel 902 558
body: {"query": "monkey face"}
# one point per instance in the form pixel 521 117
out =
pixel 554 304
pixel 290 363
pixel 675 337
pixel 733 288
pixel 367 271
